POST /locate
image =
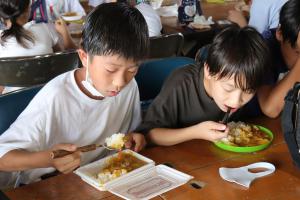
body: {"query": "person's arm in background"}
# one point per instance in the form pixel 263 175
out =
pixel 237 17
pixel 271 98
pixel 62 29
pixel 241 13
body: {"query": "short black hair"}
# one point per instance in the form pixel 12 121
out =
pixel 116 29
pixel 289 20
pixel 241 53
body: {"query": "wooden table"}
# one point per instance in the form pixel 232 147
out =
pixel 195 39
pixel 200 159
pixel 219 11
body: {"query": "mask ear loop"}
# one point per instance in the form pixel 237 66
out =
pixel 87 68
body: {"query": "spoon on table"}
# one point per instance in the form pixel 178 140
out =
pixel 61 153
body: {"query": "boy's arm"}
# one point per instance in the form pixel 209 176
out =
pixel 20 160
pixel 271 98
pixel 208 130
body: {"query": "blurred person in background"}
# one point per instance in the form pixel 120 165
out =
pixel 49 10
pixel 264 14
pixel 152 18
pixel 23 38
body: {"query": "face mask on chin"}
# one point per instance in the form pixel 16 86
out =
pixel 88 83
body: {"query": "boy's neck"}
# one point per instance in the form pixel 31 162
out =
pixel 79 77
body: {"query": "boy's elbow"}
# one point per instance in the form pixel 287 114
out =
pixel 3 165
pixel 271 111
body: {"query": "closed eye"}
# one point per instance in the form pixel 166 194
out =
pixel 110 71
pixel 133 71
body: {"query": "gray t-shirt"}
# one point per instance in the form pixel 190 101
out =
pixel 182 102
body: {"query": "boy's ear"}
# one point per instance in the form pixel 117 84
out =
pixel 206 71
pixel 83 57
pixel 279 34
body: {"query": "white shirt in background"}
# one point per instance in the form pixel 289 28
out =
pixel 95 3
pixel 264 14
pixel 44 39
pixel 150 15
pixel 62 113
pixel 62 6
pixel 152 19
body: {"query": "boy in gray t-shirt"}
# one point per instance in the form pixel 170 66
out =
pixel 194 97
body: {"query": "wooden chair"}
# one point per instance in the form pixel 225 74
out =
pixel 34 70
pixel 168 45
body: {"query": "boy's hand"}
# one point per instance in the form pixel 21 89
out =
pixel 135 141
pixel 211 131
pixel 67 163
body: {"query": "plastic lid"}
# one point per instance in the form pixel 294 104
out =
pixel 148 183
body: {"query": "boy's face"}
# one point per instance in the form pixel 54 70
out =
pixel 110 73
pixel 289 54
pixel 224 92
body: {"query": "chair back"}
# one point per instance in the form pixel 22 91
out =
pixel 13 103
pixel 152 74
pixel 35 70
pixel 166 45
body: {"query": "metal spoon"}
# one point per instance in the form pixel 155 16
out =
pixel 61 153
pixel 226 117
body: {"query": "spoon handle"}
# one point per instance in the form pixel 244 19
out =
pixel 61 153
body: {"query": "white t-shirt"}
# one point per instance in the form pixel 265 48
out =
pixel 95 3
pixel 62 6
pixel 264 14
pixel 62 113
pixel 44 39
pixel 152 19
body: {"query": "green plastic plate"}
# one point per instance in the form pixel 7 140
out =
pixel 247 149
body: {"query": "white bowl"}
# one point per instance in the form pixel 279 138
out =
pixel 74 17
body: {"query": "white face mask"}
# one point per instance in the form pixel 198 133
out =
pixel 88 83
pixel 242 176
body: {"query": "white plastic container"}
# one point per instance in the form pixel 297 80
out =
pixel 143 183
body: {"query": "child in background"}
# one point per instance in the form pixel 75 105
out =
pixel 23 38
pixel 150 15
pixel 284 43
pixel 83 106
pixel 50 10
pixel 264 14
pixel 194 98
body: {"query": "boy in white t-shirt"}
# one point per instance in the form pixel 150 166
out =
pixel 83 106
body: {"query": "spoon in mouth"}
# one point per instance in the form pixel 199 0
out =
pixel 226 117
